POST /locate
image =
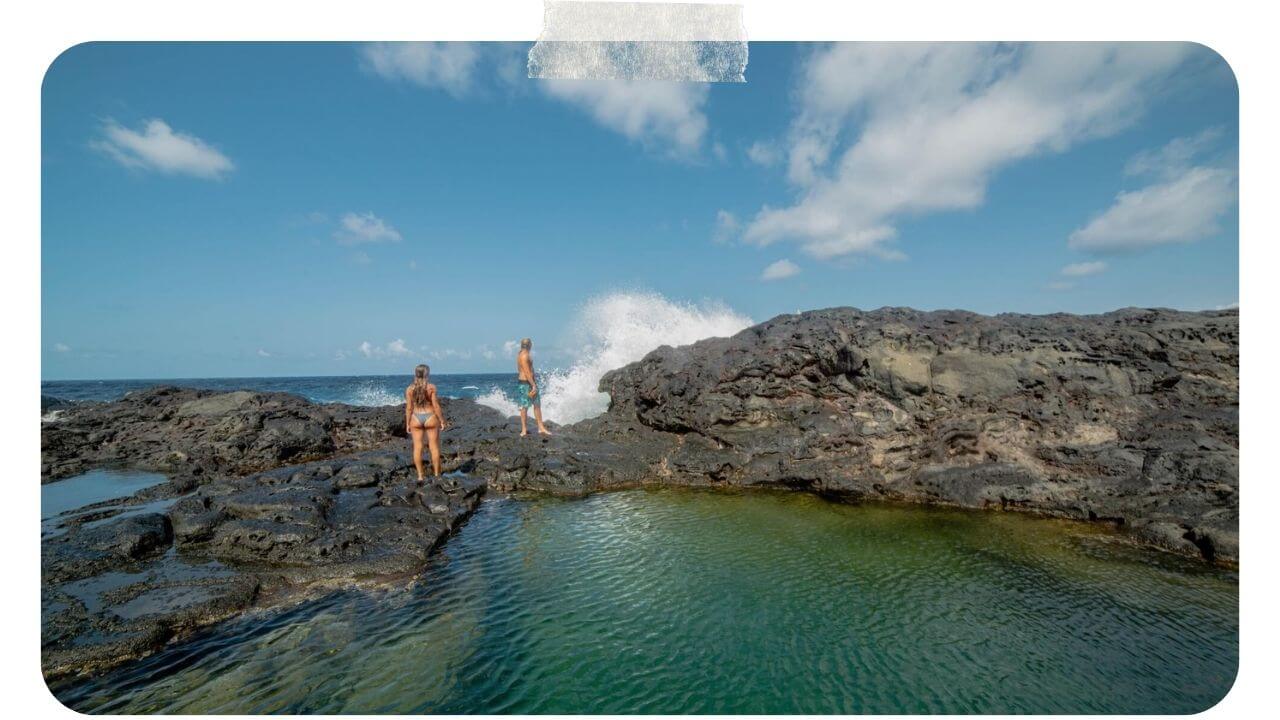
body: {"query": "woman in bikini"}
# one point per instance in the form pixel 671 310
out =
pixel 422 416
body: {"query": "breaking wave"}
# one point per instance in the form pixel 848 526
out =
pixel 613 330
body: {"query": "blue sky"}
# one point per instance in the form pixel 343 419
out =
pixel 295 209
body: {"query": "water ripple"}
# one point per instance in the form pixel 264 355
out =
pixel 699 602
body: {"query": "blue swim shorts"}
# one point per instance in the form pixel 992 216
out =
pixel 522 395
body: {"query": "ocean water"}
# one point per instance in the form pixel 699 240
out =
pixel 369 390
pixel 605 333
pixel 704 602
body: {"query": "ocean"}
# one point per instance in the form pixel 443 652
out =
pixel 495 389
pixel 606 333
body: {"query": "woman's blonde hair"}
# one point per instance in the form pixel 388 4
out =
pixel 418 391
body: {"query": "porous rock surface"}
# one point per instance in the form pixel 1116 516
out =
pixel 1130 417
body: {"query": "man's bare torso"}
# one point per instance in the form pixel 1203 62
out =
pixel 524 366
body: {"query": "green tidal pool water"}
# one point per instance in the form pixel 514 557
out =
pixel 706 602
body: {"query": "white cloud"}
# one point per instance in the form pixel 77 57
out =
pixel 1184 209
pixel 1060 285
pixel 61 347
pixel 763 153
pixel 263 353
pixel 1175 157
pixel 361 258
pixel 394 349
pixel 448 66
pixel 655 113
pixel 355 229
pixel 661 115
pixel 780 270
pixel 487 353
pixel 1184 203
pixel 1083 268
pixel 157 147
pixel 510 347
pixel 892 130
pixel 727 226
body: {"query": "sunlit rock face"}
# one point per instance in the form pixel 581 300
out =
pixel 1131 416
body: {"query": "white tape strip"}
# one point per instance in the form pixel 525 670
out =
pixel 640 41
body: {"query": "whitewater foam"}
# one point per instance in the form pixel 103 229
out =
pixel 613 330
pixel 497 399
pixel 371 395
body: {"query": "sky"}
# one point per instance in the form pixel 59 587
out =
pixel 237 209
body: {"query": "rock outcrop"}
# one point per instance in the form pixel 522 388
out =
pixel 1129 418
pixel 189 434
pixel 268 495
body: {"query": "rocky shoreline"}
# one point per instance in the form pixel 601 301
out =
pixel 1129 418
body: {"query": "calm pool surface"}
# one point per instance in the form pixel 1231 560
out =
pixel 701 602
pixel 61 497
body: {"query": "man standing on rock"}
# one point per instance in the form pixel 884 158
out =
pixel 528 395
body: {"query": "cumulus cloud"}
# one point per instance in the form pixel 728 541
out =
pixel 1083 268
pixel 1182 210
pixel 510 347
pixel 357 228
pixel 159 148
pixel 1184 202
pixel 448 66
pixel 780 270
pixel 263 353
pixel 61 347
pixel 890 130
pixel 395 348
pixel 657 114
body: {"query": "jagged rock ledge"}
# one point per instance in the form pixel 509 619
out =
pixel 1129 417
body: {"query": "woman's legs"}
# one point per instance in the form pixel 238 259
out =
pixel 417 432
pixel 433 439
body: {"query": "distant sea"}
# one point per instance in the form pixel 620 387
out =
pixel 493 389
pixel 608 332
